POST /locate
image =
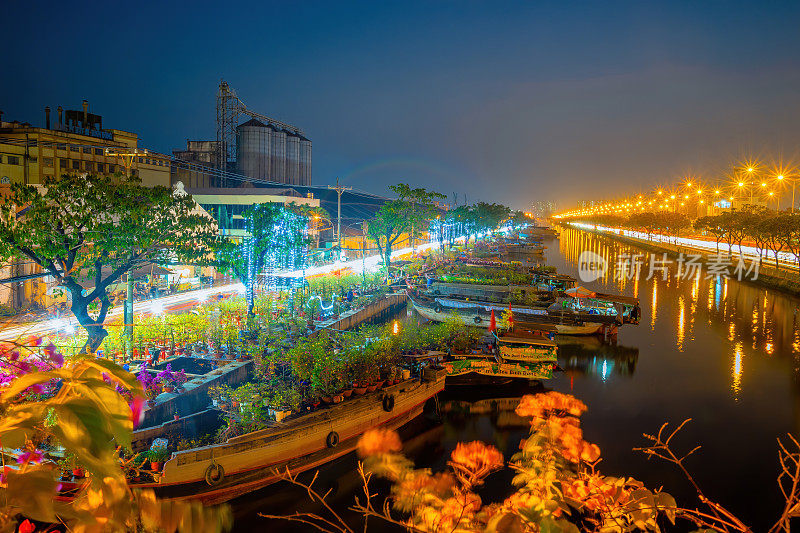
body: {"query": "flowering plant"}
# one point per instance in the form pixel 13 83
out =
pixel 558 487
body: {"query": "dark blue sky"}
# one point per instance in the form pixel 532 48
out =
pixel 503 101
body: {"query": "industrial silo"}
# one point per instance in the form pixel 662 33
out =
pixel 253 148
pixel 305 161
pixel 277 169
pixel 292 158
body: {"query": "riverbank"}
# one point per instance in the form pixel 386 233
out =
pixel 769 277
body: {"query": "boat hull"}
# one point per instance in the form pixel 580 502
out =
pixel 586 328
pixel 253 461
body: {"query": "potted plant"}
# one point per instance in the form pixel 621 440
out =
pixel 157 456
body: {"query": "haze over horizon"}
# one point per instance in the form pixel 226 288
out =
pixel 509 102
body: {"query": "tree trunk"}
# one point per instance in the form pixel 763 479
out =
pixel 95 332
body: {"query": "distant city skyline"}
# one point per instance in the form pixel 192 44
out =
pixel 511 103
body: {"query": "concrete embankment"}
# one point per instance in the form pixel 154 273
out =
pixel 769 277
pixel 377 310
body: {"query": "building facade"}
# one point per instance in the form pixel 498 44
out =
pixel 77 143
pixel 73 142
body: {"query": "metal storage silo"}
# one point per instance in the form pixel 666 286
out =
pixel 278 160
pixel 253 149
pixel 292 159
pixel 305 161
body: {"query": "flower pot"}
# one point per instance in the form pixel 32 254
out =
pixel 327 399
pixel 360 390
pixel 280 414
pixel 380 384
pixel 371 388
pixel 338 398
pixel 176 417
pixel 155 466
pixel 406 373
pixel 315 404
pixel 347 393
pixel 77 472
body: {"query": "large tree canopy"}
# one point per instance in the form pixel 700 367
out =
pixel 410 213
pixel 94 229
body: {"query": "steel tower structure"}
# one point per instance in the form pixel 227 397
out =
pixel 229 110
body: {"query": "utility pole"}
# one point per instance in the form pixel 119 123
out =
pixel 339 190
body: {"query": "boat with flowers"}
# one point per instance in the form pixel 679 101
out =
pixel 220 472
pixel 478 313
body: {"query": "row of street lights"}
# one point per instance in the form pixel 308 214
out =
pixel 691 194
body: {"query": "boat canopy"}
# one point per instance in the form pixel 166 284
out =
pixel 580 292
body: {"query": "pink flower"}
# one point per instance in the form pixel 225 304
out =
pixel 34 340
pixel 137 413
pixel 34 457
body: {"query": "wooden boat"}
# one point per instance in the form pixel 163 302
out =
pixel 625 308
pixel 566 322
pixel 218 473
pixel 488 292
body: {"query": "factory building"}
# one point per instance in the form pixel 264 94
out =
pixel 271 153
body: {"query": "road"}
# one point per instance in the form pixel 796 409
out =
pixel 184 301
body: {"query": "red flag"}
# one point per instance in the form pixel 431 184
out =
pixel 510 316
pixel 492 323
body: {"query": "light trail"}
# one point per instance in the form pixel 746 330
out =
pixel 785 258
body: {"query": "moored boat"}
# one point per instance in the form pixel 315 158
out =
pixel 478 314
pixel 220 472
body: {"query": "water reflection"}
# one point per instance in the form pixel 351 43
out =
pixel 589 356
pixel 705 336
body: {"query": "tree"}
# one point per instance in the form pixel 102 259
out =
pixel 389 223
pixel 644 221
pixel 420 207
pixel 777 231
pixel 489 216
pixel 276 236
pixel 710 224
pixel 410 213
pixel 94 229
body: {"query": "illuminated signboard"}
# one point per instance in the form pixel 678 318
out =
pixel 723 204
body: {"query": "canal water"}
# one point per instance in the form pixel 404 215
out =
pixel 722 352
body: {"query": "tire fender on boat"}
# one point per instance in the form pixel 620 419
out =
pixel 437 307
pixel 214 474
pixel 332 440
pixel 477 320
pixel 388 403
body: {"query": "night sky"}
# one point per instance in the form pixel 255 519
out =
pixel 503 101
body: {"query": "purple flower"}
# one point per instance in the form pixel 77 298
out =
pixel 54 356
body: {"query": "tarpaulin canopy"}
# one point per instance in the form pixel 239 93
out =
pixel 580 292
